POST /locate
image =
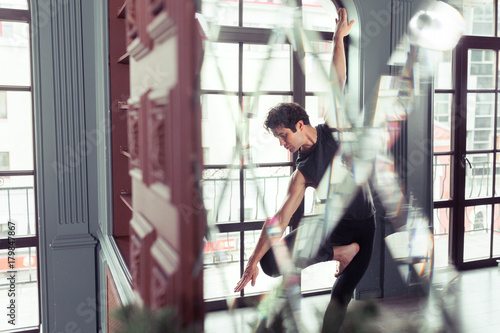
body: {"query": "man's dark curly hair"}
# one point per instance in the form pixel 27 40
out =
pixel 286 115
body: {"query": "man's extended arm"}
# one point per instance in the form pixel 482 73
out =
pixel 339 61
pixel 295 194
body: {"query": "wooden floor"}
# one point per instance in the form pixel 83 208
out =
pixel 467 302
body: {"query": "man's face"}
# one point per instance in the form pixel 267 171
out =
pixel 288 139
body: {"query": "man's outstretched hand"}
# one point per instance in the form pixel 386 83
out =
pixel 343 28
pixel 250 274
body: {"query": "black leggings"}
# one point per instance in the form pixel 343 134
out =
pixel 346 232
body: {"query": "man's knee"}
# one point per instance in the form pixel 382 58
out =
pixel 268 264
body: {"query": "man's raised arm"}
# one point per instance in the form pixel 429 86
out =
pixel 338 61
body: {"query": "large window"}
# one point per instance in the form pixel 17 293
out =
pixel 242 77
pixel 18 231
pixel 466 143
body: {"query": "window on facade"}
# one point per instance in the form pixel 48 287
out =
pixel 4 161
pixel 241 79
pixel 3 104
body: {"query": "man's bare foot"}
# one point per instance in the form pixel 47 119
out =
pixel 344 255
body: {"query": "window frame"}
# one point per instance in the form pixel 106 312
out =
pixel 458 151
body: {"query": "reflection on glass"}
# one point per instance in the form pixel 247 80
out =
pixel 26 287
pixel 480 121
pixel 220 12
pixel 265 185
pixel 478 16
pixel 269 64
pixel 442 177
pixel 14 4
pixel 496 231
pixel 479 176
pixel 317 63
pixel 17 204
pixel 441 236
pixel 221 263
pixel 477 232
pixel 218 112
pixel 262 14
pixel 319 15
pixel 220 67
pixel 442 122
pixel 221 195
pixel 481 69
pixel 16 138
pixel 14 54
pixel 443 75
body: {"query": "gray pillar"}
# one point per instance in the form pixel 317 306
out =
pixel 64 103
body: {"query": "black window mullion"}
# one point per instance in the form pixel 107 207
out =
pixel 298 79
pixel 15 15
pixel 495 115
pixel 240 13
pixel 456 243
pixel 21 242
pixel 495 16
pixel 242 172
pixel 13 173
pixel 15 88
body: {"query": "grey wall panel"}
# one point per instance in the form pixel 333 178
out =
pixel 63 92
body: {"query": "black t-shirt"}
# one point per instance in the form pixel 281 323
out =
pixel 316 161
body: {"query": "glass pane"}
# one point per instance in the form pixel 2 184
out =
pixel 264 282
pixel 267 185
pixel 478 16
pixel 480 121
pixel 318 61
pixel 14 54
pixel 220 12
pixel 26 287
pixel 264 147
pixel 16 137
pixel 17 204
pixel 218 111
pixel 221 195
pixel 497 175
pixel 221 263
pixel 496 232
pixel 263 14
pixel 442 177
pixel 443 76
pixel 481 69
pixel 477 233
pixel 266 68
pixel 441 236
pixel 317 107
pixel 220 67
pixel 318 15
pixel 14 4
pixel 478 179
pixel 442 122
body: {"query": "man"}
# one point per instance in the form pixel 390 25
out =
pixel 352 240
